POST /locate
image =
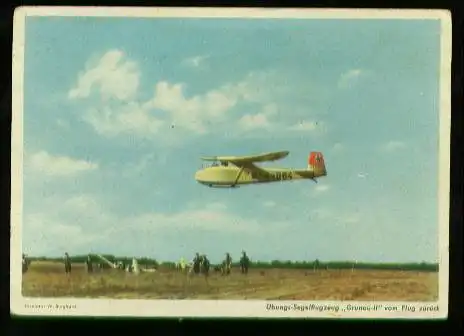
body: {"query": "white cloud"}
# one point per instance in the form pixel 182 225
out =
pixel 269 204
pixel 304 126
pixel 197 112
pixel 54 229
pixel 322 188
pixel 261 120
pixel 394 145
pixel 114 76
pixel 83 218
pixel 254 121
pixel 309 127
pixel 319 189
pixel 48 164
pixel 43 230
pixel 216 206
pixel 80 203
pixel 127 119
pixel 349 78
pixel 118 78
pixel 195 61
pixel 194 112
pixel 171 108
pixel 201 219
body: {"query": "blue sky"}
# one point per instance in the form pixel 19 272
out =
pixel 118 111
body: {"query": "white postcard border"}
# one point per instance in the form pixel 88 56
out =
pixel 222 308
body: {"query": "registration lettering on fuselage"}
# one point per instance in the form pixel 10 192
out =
pixel 272 175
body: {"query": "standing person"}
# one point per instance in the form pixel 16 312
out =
pixel 89 264
pixel 196 263
pixel 227 264
pixel 205 264
pixel 316 264
pixel 67 263
pixel 25 263
pixel 244 263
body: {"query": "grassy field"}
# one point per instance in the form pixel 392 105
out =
pixel 47 279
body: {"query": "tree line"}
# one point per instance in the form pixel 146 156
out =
pixel 288 264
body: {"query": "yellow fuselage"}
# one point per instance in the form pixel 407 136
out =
pixel 221 176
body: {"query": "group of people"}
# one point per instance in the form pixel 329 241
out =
pixel 88 263
pixel 244 263
pixel 201 264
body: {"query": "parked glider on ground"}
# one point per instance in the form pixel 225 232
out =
pixel 232 171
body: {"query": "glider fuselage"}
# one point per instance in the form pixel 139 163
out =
pixel 221 176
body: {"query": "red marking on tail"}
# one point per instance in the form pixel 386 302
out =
pixel 316 160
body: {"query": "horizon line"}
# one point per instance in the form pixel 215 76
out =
pixel 253 261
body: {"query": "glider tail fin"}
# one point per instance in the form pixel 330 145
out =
pixel 316 164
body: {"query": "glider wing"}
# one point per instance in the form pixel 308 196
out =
pixel 273 156
pixel 247 162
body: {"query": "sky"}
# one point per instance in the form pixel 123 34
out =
pixel 118 112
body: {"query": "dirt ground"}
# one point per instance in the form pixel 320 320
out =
pixel 49 280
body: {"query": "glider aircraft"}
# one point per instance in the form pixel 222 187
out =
pixel 233 171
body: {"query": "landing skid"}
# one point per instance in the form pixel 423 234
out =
pixel 223 186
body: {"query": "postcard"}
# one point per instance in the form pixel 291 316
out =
pixel 230 162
